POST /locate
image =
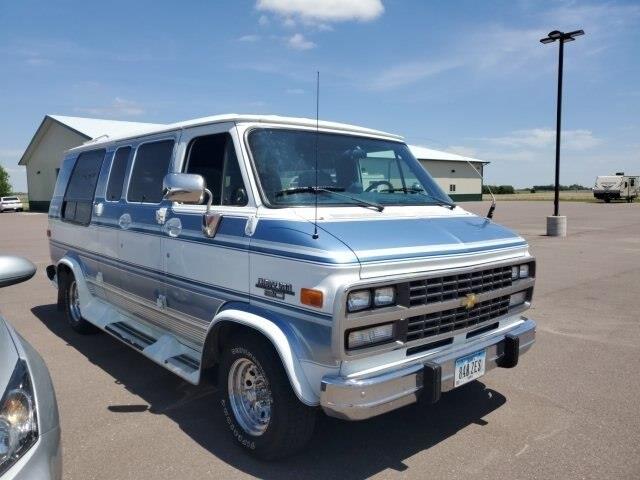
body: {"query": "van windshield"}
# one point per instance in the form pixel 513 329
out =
pixel 362 169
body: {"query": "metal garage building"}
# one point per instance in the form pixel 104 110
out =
pixel 57 133
pixel 54 136
pixel 453 172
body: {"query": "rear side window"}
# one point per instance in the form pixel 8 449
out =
pixel 214 157
pixel 149 168
pixel 118 171
pixel 78 199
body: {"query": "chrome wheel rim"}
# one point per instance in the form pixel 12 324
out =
pixel 249 396
pixel 74 302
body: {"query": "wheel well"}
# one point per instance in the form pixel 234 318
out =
pixel 219 336
pixel 63 272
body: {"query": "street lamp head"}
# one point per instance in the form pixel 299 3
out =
pixel 563 37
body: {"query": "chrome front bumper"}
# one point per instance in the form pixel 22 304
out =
pixel 358 398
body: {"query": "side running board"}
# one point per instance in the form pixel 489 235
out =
pixel 164 350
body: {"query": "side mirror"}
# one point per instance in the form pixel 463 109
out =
pixel 184 188
pixel 15 270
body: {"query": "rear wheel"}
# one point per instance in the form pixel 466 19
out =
pixel 263 413
pixel 72 308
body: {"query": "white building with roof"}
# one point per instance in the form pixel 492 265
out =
pixel 459 176
pixel 55 135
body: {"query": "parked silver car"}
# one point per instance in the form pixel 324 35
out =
pixel 10 203
pixel 29 425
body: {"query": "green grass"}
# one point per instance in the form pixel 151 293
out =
pixel 567 195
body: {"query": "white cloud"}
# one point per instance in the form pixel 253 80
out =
pixel 295 91
pixel 545 137
pixel 405 74
pixel 119 107
pixel 300 42
pixel 324 10
pixel 263 21
pixel 249 38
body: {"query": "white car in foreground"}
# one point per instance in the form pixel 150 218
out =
pixel 10 203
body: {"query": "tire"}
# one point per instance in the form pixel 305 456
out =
pixel 72 308
pixel 281 424
pixel 607 200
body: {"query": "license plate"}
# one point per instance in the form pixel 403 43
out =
pixel 469 368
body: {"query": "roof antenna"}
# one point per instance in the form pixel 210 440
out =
pixel 492 208
pixel 315 221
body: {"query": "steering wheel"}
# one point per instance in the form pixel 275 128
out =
pixel 376 184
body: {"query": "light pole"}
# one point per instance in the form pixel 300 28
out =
pixel 556 225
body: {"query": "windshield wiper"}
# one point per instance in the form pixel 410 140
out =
pixel 420 191
pixel 331 190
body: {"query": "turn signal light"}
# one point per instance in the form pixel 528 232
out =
pixel 311 297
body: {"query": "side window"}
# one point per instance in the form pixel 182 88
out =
pixel 118 171
pixel 78 199
pixel 149 168
pixel 633 182
pixel 214 157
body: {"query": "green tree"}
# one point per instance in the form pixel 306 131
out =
pixel 5 186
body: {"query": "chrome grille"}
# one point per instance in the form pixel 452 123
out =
pixel 433 324
pixel 438 289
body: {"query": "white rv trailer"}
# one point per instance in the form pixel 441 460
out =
pixel 618 186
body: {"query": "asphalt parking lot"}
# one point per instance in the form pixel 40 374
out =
pixel 569 410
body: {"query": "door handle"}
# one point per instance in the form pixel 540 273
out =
pixel 124 221
pixel 161 215
pixel 98 208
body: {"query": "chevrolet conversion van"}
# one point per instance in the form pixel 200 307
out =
pixel 302 267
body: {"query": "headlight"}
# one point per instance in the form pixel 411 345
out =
pixel 517 299
pixel 370 336
pixel 359 300
pixel 384 296
pixel 515 272
pixel 18 423
pixel 520 271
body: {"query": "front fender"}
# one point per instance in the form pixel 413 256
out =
pixel 282 338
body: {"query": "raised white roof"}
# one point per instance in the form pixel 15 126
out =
pixel 242 118
pixel 423 153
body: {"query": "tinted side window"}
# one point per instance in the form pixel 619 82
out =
pixel 214 157
pixel 78 199
pixel 149 168
pixel 118 171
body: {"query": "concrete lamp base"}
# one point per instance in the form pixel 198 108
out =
pixel 556 226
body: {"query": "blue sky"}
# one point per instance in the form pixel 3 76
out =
pixel 465 76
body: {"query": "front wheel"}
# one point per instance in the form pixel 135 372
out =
pixel 262 411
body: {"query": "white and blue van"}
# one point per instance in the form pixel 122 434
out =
pixel 299 265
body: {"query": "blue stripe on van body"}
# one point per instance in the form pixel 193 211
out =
pixel 176 281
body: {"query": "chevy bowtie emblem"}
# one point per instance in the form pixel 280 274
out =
pixel 469 301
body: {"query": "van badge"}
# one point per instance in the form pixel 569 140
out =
pixel 469 301
pixel 275 289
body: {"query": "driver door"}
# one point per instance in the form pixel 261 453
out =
pixel 202 273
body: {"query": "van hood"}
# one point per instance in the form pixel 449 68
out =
pixel 395 246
